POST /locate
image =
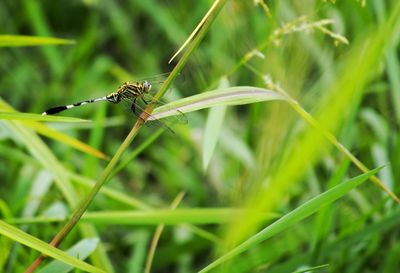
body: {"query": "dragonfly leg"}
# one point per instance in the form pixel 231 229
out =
pixel 145 101
pixel 133 108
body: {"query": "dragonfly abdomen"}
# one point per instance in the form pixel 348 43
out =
pixel 59 109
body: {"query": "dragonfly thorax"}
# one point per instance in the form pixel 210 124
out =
pixel 129 90
pixel 137 88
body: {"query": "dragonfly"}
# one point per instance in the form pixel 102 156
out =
pixel 128 91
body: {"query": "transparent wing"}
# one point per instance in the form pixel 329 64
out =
pixel 137 108
pixel 160 78
pixel 157 80
pixel 178 115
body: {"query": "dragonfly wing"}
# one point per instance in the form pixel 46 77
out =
pixel 178 116
pixel 138 110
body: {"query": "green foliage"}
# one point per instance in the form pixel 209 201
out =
pixel 286 101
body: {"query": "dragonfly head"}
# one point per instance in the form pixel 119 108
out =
pixel 146 86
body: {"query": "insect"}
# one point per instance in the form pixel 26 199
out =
pixel 128 91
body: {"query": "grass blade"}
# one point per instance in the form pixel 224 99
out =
pixel 80 250
pixel 73 142
pixel 157 235
pixel 172 217
pixel 196 30
pixel 37 117
pixel 238 95
pixel 212 131
pixel 28 120
pixel 21 40
pixel 305 210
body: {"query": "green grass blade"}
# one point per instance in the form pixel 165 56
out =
pixel 81 250
pixel 212 131
pixel 305 210
pixel 172 217
pixel 312 269
pixel 73 142
pixel 33 242
pixel 121 197
pixel 229 96
pixel 21 40
pixel 157 235
pixel 133 154
pixel 8 113
pixel 37 117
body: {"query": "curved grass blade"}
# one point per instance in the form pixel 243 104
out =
pixel 229 96
pixel 179 117
pixel 287 221
pixel 33 242
pixel 21 40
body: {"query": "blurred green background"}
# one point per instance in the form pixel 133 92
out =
pixel 119 41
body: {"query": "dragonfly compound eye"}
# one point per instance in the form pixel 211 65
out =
pixel 146 85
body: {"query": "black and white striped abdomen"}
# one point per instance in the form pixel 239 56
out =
pixel 59 109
